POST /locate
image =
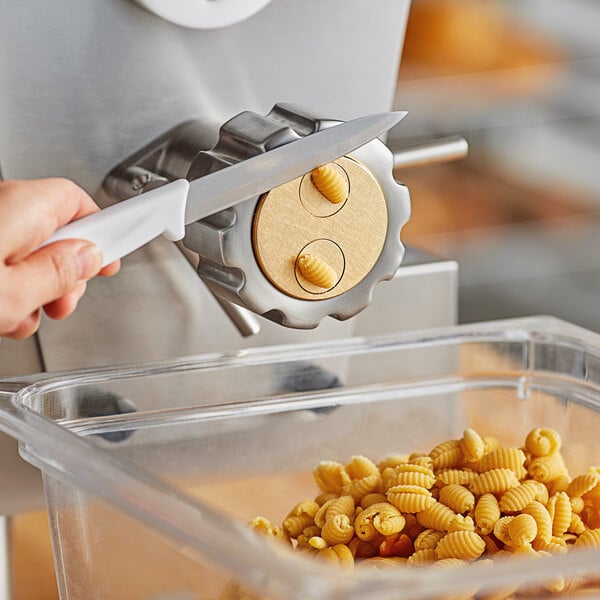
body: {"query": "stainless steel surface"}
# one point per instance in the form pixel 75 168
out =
pixel 427 153
pixel 84 83
pixel 227 263
pixel 225 188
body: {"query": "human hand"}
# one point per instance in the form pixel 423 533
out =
pixel 53 277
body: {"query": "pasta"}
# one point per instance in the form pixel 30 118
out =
pixel 331 183
pixel 317 271
pixel 466 500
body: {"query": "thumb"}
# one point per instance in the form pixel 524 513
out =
pixel 54 270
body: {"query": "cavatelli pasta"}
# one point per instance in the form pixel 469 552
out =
pixel 436 516
pixel 487 513
pixel 458 498
pixel 495 481
pixel 583 484
pixel 361 487
pixel 372 498
pixel 559 507
pixel 338 530
pixel 409 474
pixel 461 523
pixel 461 544
pixel 428 539
pixel 522 530
pixel 330 182
pixel 505 458
pixel 317 271
pixel 456 476
pixel 422 558
pixel 447 454
pixel 589 539
pixel 576 525
pixel 423 460
pixel 331 476
pixel 381 517
pixel 547 468
pixel 344 505
pixel 410 498
pixel 472 446
pixel 542 518
pixel 361 466
pixel 517 498
pixel 501 530
pixel 577 504
pixel 393 460
pixel 543 441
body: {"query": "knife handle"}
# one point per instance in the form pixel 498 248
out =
pixel 126 226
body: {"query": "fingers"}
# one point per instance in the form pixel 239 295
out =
pixel 64 306
pixel 35 209
pixel 26 327
pixel 49 274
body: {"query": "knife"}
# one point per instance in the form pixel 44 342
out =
pixel 126 226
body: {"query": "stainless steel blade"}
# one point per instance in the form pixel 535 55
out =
pixel 227 187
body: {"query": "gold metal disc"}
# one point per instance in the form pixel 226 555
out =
pixel 295 218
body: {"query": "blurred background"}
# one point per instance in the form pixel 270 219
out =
pixel 521 81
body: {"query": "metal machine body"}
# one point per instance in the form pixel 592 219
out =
pixel 85 84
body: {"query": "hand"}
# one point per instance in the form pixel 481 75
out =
pixel 53 277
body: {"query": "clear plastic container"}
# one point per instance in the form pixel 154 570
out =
pixel 153 503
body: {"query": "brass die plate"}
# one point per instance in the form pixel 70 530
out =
pixel 295 218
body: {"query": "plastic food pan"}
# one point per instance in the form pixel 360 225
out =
pixel 151 473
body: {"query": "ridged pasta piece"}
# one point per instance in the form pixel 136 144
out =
pixel 577 504
pixel 331 476
pixel 559 507
pixel 437 516
pixel 472 446
pixel 295 524
pixel 428 539
pixel 522 530
pixel 582 485
pixel 266 528
pixel 361 487
pixel 307 534
pixel 344 505
pixel 321 515
pixel 330 182
pixel 560 484
pixel 317 271
pixel 456 476
pixel 589 539
pixel 554 546
pixel 495 481
pixel 422 460
pixel 501 530
pixel 345 557
pixel 391 461
pixel 409 475
pixel 316 542
pixel 487 513
pixel 543 441
pixel 458 498
pixel 422 558
pixel 517 498
pixel 461 523
pixel 576 526
pixel 466 545
pixel 447 454
pixel 505 458
pixel 372 498
pixel 547 468
pixel 374 519
pixel 410 498
pixel 360 466
pixel 542 518
pixel 338 530
pixel 324 497
pixel 542 494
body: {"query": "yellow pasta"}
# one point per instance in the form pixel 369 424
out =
pixel 559 507
pixel 381 517
pixel 372 498
pixel 560 484
pixel 447 454
pixel 461 544
pixel 330 182
pixel 554 546
pixel 522 530
pixel 315 541
pixel 410 498
pixel 391 461
pixel 437 516
pixel 428 539
pixel 307 534
pixel 361 487
pixel 331 476
pixel 582 485
pixel 422 558
pixel 266 528
pixel 576 525
pixel 577 504
pixel 472 446
pixel 517 498
pixel 487 513
pixel 461 523
pixel 317 271
pixel 547 468
pixel 543 441
pixel 422 460
pixel 361 466
pixel 344 505
pixel 505 458
pixel 458 498
pixel 501 530
pixel 589 539
pixel 495 481
pixel 409 474
pixel 456 476
pixel 542 518
pixel 338 530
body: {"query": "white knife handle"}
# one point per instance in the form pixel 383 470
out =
pixel 124 227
